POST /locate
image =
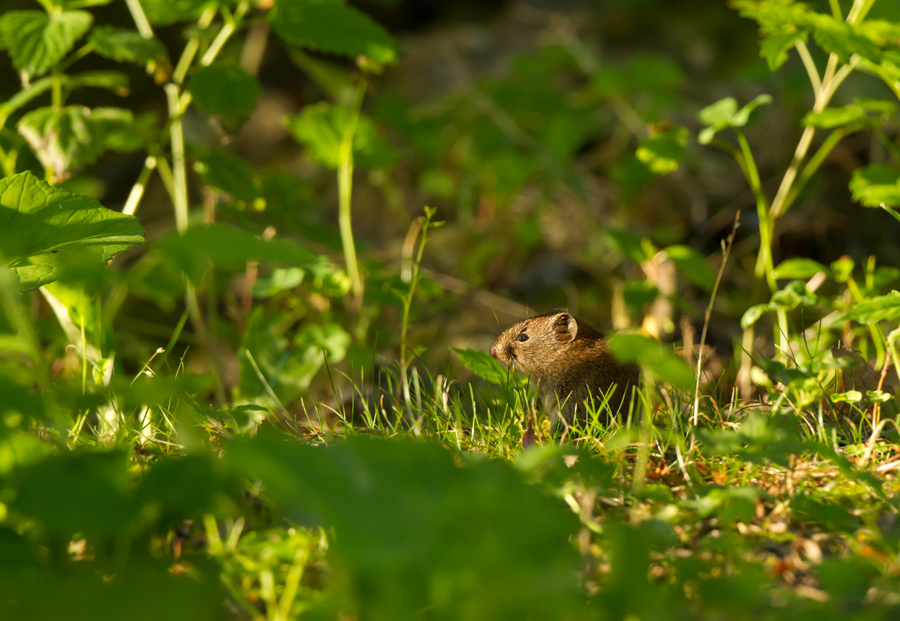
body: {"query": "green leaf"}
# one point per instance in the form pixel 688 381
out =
pixel 121 131
pixel 229 248
pixel 724 113
pixel 126 45
pixel 866 112
pixel 333 27
pixel 752 315
pixel 486 367
pixel 873 310
pixel 627 244
pixel 851 396
pixel 799 268
pixel 224 89
pixel 637 294
pixel 62 139
pixel 37 41
pixel 774 48
pixel 650 355
pixel 43 230
pixel 164 12
pixel 693 265
pixel 720 112
pixel 663 152
pixel 110 80
pixel 459 539
pixel 231 174
pixel 321 128
pixel 842 39
pixel 794 295
pixel 875 184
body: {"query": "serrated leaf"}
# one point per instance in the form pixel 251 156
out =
pixel 486 367
pixel 799 268
pixel 663 152
pixel 231 174
pixel 693 265
pixel 44 229
pixel 126 45
pixel 164 12
pixel 224 89
pixel 37 41
pixel 63 138
pixel 873 310
pixel 774 48
pixel 842 39
pixel 320 128
pixel 333 27
pixel 876 184
pixel 794 295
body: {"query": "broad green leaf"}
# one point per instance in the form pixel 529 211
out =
pixel 851 396
pixel 799 268
pixel 227 247
pixel 752 315
pixel 43 230
pixel 110 80
pixel 720 112
pixel 842 39
pixel 650 355
pixel 693 265
pixel 774 17
pixel 486 367
pixel 23 97
pixel 868 112
pixel 164 12
pixel 742 116
pixel 121 131
pixel 126 45
pixel 873 310
pixel 774 48
pixel 224 89
pixel 627 244
pixel 663 152
pixel 62 139
pixel 320 128
pixel 875 184
pixel 333 27
pixel 639 293
pixel 471 541
pixel 37 41
pixel 880 32
pixel 231 174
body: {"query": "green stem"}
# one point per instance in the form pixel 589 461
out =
pixel 179 169
pixel 139 18
pixel 137 190
pixel 810 65
pixel 345 189
pixel 231 24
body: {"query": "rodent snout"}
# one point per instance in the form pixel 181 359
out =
pixel 495 351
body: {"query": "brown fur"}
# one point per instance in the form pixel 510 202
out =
pixel 572 361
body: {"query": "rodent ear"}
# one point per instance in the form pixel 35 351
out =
pixel 565 327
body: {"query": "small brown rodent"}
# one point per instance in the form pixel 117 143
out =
pixel 572 361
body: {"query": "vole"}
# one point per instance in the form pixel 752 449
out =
pixel 573 363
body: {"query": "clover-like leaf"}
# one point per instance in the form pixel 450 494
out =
pixel 37 41
pixel 863 111
pixel 799 268
pixel 44 230
pixel 224 89
pixel 486 367
pixel 321 128
pixel 876 184
pixel 335 28
pixel 725 113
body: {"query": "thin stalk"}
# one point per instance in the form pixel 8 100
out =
pixel 140 18
pixel 810 65
pixel 228 29
pixel 176 139
pixel 137 190
pixel 345 190
pixel 726 250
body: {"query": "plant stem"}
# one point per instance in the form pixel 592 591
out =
pixel 345 189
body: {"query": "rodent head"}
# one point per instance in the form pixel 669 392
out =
pixel 534 345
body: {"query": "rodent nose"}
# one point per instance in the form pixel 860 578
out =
pixel 495 350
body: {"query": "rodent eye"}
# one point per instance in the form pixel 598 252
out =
pixel 522 337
